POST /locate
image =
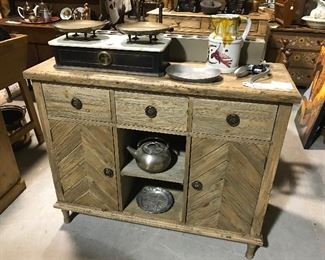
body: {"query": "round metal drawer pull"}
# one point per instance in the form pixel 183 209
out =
pixel 104 58
pixel 108 172
pixel 151 111
pixel 233 120
pixel 197 185
pixel 76 103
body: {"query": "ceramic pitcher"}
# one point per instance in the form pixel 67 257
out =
pixel 225 42
pixel 226 27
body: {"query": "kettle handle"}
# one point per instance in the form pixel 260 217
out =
pixel 247 28
pixel 35 10
pixel 20 10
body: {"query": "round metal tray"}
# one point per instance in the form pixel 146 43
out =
pixel 79 26
pixel 193 74
pixel 143 28
pixel 154 199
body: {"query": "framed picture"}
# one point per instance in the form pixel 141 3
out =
pixel 310 118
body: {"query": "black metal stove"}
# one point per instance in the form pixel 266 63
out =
pixel 112 51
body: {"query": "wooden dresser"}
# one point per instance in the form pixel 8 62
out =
pixel 199 23
pixel 298 48
pixel 228 139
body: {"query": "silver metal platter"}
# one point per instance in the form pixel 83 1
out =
pixel 154 199
pixel 79 26
pixel 143 28
pixel 193 74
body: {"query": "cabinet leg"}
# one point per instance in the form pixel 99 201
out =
pixel 67 217
pixel 250 251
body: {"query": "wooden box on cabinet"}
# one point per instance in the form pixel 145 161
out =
pixel 228 141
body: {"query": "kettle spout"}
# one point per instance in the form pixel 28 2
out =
pixel 132 151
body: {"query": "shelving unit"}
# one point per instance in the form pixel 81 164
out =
pixel 174 174
pixel 174 214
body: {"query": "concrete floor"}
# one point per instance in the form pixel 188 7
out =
pixel 294 226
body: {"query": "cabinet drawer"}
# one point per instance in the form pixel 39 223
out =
pixel 151 111
pixel 300 41
pixel 77 103
pixel 183 23
pixel 237 119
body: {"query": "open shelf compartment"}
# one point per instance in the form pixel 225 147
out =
pixel 176 170
pixel 175 173
pixel 174 214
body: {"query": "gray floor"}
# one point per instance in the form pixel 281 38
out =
pixel 294 226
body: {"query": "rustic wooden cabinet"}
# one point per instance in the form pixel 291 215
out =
pixel 227 140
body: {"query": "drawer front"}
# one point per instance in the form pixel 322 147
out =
pixel 236 119
pixel 306 41
pixel 301 76
pixel 151 111
pixel 77 103
pixel 182 22
pixel 303 59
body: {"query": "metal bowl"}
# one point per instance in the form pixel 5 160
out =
pixel 79 26
pixel 314 23
pixel 210 6
pixel 154 199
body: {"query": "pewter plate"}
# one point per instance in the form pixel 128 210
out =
pixel 193 74
pixel 154 199
pixel 81 26
pixel 142 28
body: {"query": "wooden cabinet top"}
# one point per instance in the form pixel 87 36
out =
pixel 16 22
pixel 296 29
pixel 254 16
pixel 228 88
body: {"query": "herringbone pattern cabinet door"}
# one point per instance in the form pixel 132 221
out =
pixel 230 175
pixel 83 152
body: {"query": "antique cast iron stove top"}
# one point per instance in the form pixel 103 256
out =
pixel 110 50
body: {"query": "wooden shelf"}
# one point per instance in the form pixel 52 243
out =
pixel 174 214
pixel 174 174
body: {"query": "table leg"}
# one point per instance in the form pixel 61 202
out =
pixel 250 251
pixel 31 110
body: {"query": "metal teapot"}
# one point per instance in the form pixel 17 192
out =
pixel 152 154
pixel 27 11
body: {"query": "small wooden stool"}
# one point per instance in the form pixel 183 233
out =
pixel 13 56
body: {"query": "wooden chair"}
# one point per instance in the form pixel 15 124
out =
pixel 13 57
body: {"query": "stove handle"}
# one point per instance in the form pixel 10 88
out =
pixel 104 58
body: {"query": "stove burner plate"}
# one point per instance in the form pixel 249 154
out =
pixel 82 26
pixel 143 28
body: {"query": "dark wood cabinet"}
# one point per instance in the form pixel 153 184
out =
pixel 298 48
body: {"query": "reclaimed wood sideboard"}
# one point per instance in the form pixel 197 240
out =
pixel 228 138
